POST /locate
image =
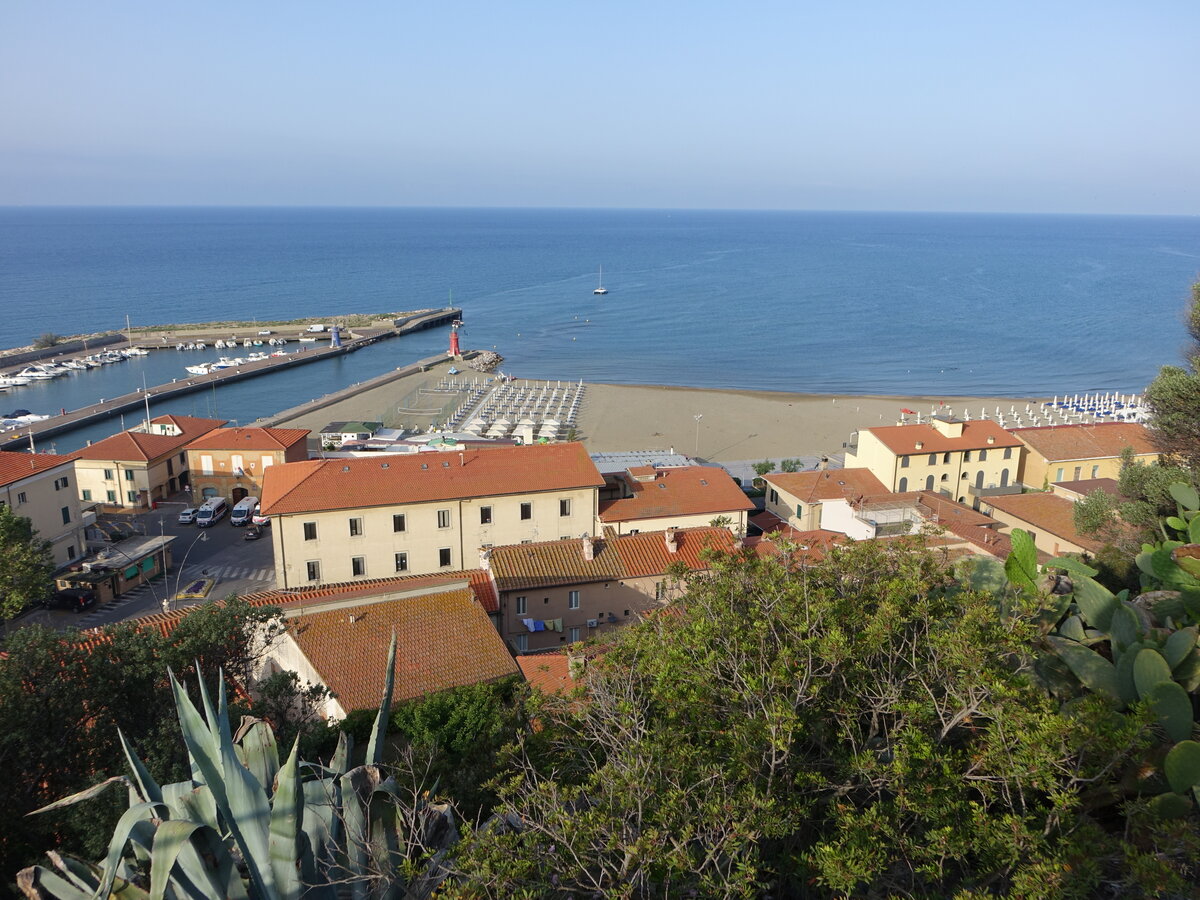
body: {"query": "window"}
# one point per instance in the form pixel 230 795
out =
pixel 112 496
pixel 799 510
pixel 87 495
pixel 21 498
pixel 573 634
pixel 929 483
pixel 60 483
pixel 564 507
pixel 129 474
pixel 774 495
pixel 660 590
pixel 358 566
pixel 526 510
pixel 66 514
pixel 1078 472
pixel 206 465
pixel 170 467
pixel 132 495
pixel 983 456
pixel 314 570
pixel 522 605
pixel 401 562
pixel 946 457
pixel 1008 452
pixel 183 459
pixel 522 642
pixel 903 486
pixel 71 551
pixel 904 462
pixel 485 515
pixel 356 527
pixel 443 518
pixel 310 531
pixel 1059 476
pixel 933 459
pixel 1095 471
pixel 572 599
pixel 399 522
pixel 444 557
pixel 966 456
pixel 108 474
pixel 237 462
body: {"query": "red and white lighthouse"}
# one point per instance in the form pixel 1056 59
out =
pixel 454 326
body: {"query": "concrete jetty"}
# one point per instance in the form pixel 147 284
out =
pixel 19 440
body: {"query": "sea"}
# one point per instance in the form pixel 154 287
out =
pixel 819 302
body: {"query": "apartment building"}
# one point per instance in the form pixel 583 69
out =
pixel 132 469
pixel 811 501
pixel 1080 452
pixel 343 519
pixel 41 487
pixel 559 592
pixel 961 460
pixel 653 498
pixel 230 462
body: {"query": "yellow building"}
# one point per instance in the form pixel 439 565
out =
pixel 344 519
pixel 961 460
pixel 41 487
pixel 1050 519
pixel 130 470
pixel 1081 452
pixel 230 462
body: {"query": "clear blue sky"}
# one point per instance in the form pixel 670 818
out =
pixel 1051 106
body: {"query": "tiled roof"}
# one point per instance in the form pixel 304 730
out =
pixel 1100 441
pixel 520 566
pixel 443 640
pixel 550 673
pixel 684 491
pixel 1080 489
pixel 249 439
pixel 810 547
pixel 830 484
pixel 421 477
pixel 1046 513
pixel 141 446
pixel 902 439
pixel 15 466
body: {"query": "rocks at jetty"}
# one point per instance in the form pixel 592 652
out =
pixel 485 361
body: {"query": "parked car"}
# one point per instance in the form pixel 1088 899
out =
pixel 188 516
pixel 259 519
pixel 74 599
pixel 253 533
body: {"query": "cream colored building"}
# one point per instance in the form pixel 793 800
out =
pixel 1081 452
pixel 338 520
pixel 133 469
pixel 823 500
pixel 961 460
pixel 41 487
pixel 1049 518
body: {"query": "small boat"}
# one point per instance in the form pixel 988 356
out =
pixel 180 346
pixel 247 343
pixel 600 288
pixel 135 351
pixel 202 369
pixel 223 363
pixel 8 381
pixel 280 353
pixel 220 344
pixel 308 340
pixel 200 345
pixel 37 373
pixel 74 364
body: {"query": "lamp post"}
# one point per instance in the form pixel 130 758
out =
pixel 202 537
pixel 697 417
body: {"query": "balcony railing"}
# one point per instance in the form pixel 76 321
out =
pixel 994 490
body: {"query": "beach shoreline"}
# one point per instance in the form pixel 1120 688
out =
pixel 712 424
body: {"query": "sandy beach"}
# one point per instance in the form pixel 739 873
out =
pixel 733 425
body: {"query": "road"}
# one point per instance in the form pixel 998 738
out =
pixel 240 567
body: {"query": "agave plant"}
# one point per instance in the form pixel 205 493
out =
pixel 247 826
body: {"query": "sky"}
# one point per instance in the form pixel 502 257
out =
pixel 1066 106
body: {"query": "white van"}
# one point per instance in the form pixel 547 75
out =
pixel 244 511
pixel 211 512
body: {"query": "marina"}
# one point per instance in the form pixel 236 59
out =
pixel 97 412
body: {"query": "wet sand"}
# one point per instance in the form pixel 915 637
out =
pixel 733 425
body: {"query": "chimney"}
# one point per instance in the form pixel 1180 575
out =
pixel 672 540
pixel 485 559
pixel 589 547
pixel 920 445
pixel 823 464
pixel 991 439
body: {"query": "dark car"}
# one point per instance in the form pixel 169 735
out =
pixel 74 599
pixel 253 533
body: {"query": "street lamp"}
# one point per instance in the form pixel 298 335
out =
pixel 201 537
pixel 697 417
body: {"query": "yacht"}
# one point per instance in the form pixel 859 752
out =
pixel 37 373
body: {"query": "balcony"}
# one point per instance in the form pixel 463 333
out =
pixel 994 490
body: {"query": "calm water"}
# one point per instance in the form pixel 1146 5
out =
pixel 822 302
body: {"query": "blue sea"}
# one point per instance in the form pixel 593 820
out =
pixel 873 303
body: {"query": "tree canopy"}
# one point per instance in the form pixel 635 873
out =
pixel 26 565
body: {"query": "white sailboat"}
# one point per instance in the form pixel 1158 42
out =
pixel 600 288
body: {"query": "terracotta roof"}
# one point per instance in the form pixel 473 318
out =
pixel 249 439
pixel 521 566
pixel 1099 441
pixel 15 466
pixel 443 640
pixel 902 439
pixel 830 484
pixel 550 673
pixel 683 491
pixel 141 446
pixel 325 484
pixel 1080 489
pixel 810 547
pixel 1044 512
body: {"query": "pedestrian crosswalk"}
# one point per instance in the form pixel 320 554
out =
pixel 160 589
pixel 230 573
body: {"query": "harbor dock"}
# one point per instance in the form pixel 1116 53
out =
pixel 355 340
